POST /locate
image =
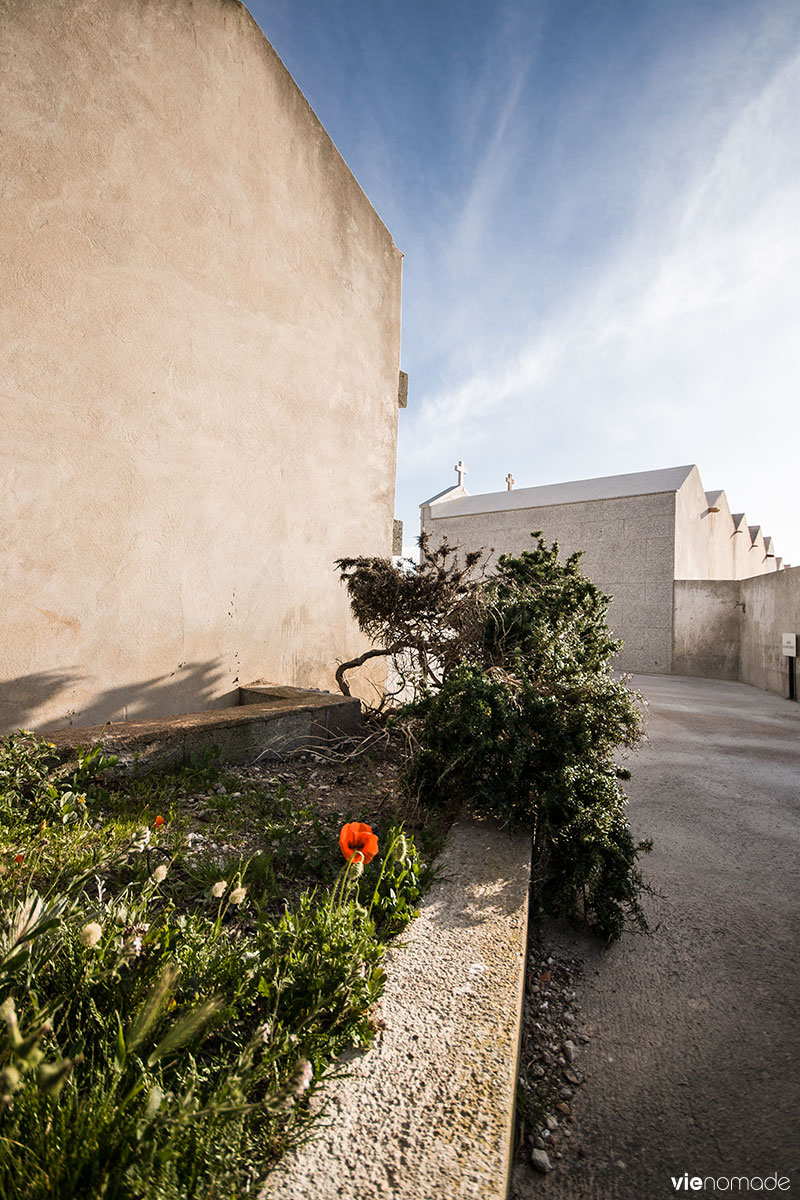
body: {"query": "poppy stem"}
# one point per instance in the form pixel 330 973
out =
pixel 388 857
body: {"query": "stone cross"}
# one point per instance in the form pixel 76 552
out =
pixel 510 480
pixel 462 470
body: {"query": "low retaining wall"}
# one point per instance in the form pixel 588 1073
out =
pixel 271 721
pixel 427 1112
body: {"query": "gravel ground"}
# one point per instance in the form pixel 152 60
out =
pixel 687 1041
pixel 550 1073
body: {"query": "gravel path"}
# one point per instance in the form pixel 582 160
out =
pixel 693 1053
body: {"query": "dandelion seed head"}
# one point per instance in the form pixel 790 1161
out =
pixel 91 934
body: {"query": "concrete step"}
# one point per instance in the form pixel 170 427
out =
pixel 427 1113
pixel 270 721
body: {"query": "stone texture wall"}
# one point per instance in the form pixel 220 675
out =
pixel 628 546
pixel 707 628
pixel 199 356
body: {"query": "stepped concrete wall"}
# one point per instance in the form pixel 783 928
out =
pixel 671 555
pixel 199 358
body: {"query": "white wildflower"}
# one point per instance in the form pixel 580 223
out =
pixel 91 934
pixel 238 895
pixel 219 889
pixel 159 875
pixel 301 1079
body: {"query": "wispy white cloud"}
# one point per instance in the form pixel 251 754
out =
pixel 684 348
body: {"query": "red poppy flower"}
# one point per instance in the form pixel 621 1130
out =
pixel 357 841
pixel 159 821
pixel 18 858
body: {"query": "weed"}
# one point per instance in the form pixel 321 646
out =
pixel 168 1003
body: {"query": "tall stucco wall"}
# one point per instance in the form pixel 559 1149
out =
pixel 628 546
pixel 772 607
pixel 707 625
pixel 199 356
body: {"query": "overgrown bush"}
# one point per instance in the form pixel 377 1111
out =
pixel 514 710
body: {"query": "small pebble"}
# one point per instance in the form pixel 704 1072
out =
pixel 540 1161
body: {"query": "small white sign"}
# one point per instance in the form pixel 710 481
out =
pixel 789 644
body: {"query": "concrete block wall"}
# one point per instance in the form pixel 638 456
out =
pixel 199 365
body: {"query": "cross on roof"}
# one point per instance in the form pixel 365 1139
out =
pixel 510 480
pixel 462 470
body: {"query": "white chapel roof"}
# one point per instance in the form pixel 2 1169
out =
pixel 610 487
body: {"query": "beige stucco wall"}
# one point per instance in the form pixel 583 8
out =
pixel 628 546
pixel 708 545
pixel 772 607
pixel 199 356
pixel 707 627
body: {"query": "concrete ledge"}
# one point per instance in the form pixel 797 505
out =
pixel 277 723
pixel 427 1112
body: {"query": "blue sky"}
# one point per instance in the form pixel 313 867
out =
pixel 599 206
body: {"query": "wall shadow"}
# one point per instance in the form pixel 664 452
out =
pixel 191 687
pixel 23 697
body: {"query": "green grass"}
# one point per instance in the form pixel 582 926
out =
pixel 182 959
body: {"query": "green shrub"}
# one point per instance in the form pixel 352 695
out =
pixel 519 716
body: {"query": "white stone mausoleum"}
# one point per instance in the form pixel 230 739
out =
pixel 695 589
